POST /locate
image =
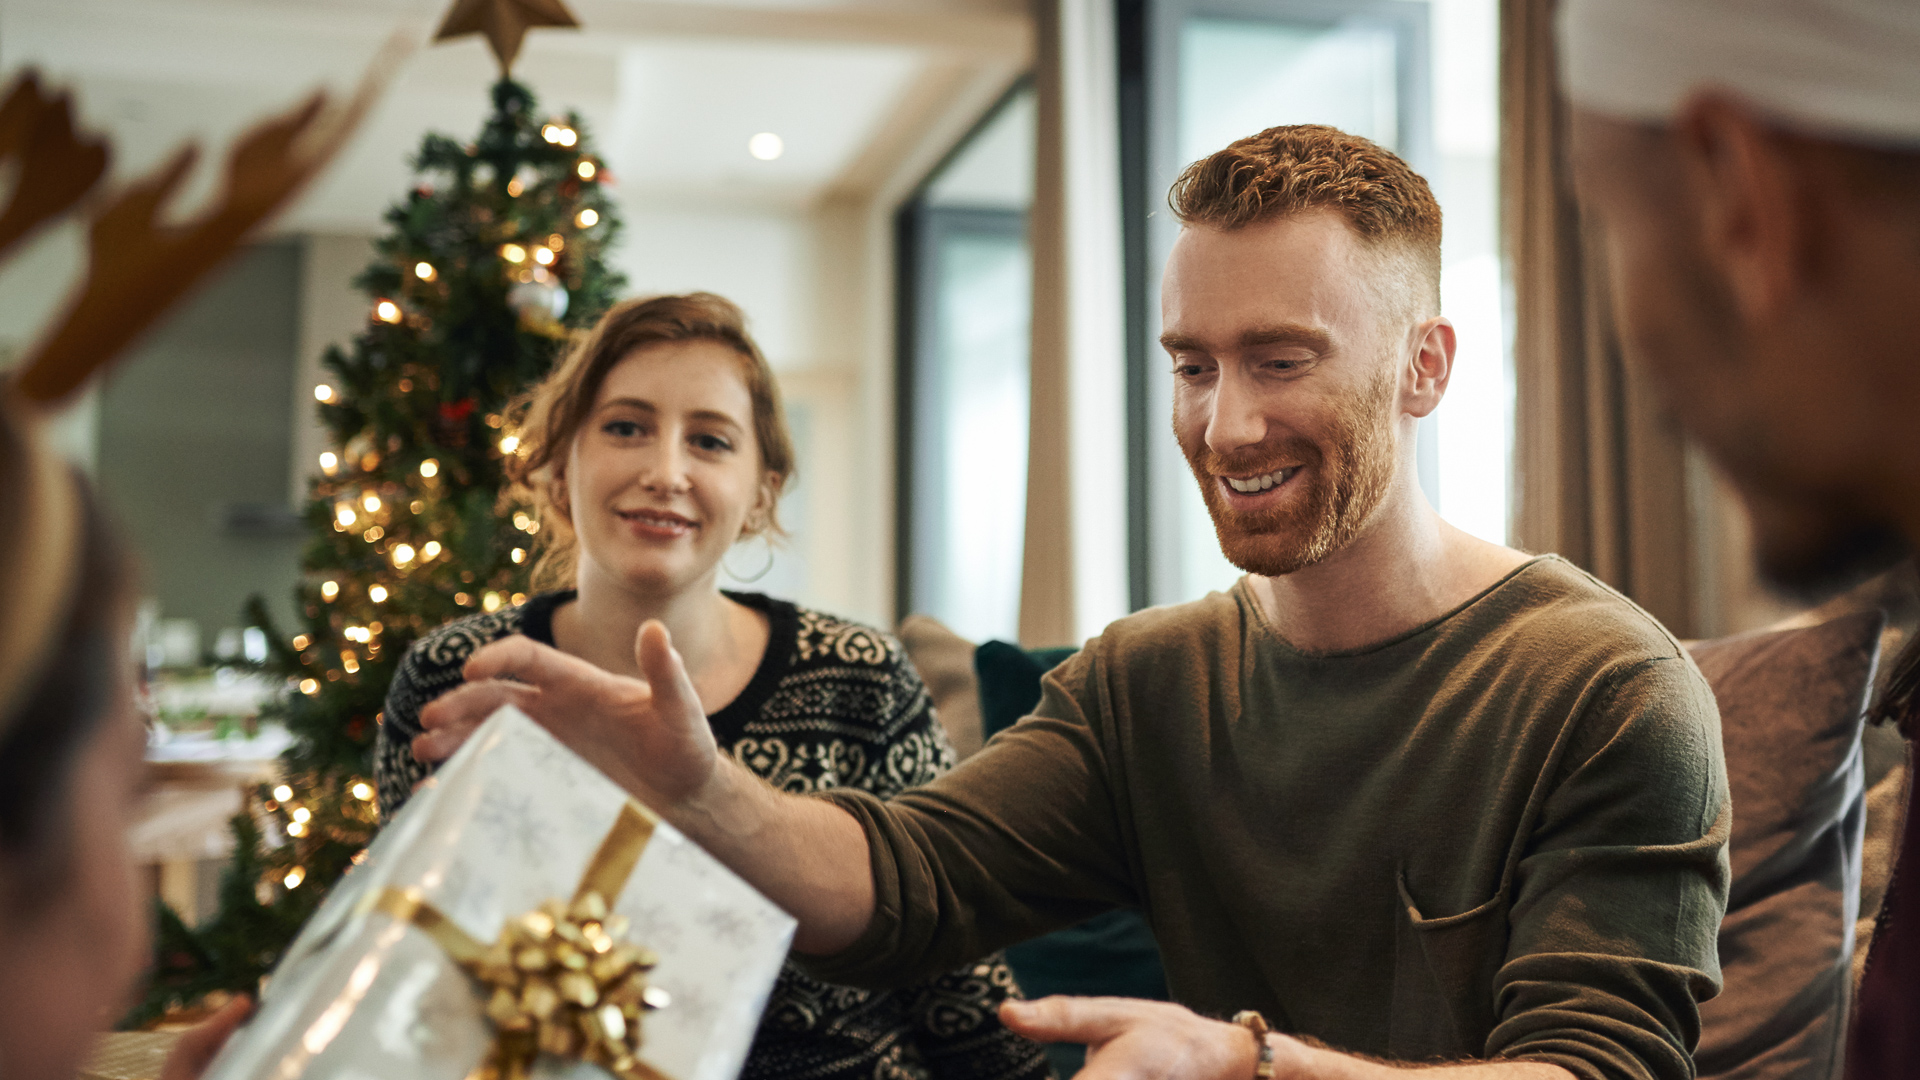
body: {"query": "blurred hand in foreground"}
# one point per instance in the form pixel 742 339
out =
pixel 198 1044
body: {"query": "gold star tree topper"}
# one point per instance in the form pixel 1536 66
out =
pixel 504 22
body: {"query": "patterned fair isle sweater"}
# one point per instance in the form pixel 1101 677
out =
pixel 833 704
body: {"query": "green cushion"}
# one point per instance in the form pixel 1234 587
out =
pixel 1109 955
pixel 1010 681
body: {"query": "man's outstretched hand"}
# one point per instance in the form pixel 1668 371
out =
pixel 1130 1039
pixel 1133 1039
pixel 650 737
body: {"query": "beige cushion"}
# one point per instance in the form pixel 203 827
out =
pixel 1791 707
pixel 945 663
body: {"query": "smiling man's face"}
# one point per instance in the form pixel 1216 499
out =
pixel 1284 337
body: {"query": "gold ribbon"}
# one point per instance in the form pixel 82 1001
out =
pixel 562 982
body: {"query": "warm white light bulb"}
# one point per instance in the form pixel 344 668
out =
pixel 387 311
pixel 329 460
pixel 766 146
pixel 543 256
pixel 430 468
pixel 362 791
pixel 371 502
pixel 431 549
pixel 509 444
pixel 586 170
pixel 424 271
pixel 283 792
pixel 513 253
pixel 344 515
pixel 296 875
pixel 402 554
pixel 309 687
pixel 588 218
pixel 323 392
pixel 329 589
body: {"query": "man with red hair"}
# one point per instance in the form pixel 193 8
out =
pixel 1398 792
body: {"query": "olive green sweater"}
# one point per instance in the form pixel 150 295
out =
pixel 1500 834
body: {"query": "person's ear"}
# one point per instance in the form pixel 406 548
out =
pixel 1755 219
pixel 1429 365
pixel 760 518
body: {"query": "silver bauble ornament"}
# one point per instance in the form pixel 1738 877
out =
pixel 539 299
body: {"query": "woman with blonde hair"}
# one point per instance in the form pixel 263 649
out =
pixel 657 445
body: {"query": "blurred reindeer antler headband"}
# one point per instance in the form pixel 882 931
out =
pixel 139 267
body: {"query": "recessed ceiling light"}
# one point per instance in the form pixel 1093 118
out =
pixel 766 146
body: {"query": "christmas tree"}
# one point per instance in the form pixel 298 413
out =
pixel 492 263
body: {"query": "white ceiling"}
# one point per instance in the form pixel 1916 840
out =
pixel 670 91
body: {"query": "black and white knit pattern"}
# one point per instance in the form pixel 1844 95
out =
pixel 834 704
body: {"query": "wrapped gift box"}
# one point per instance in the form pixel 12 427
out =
pixel 421 963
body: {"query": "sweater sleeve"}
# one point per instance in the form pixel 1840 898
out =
pixel 431 667
pixel 955 1014
pixel 1020 839
pixel 1618 898
pixel 395 769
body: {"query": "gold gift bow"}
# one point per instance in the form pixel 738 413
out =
pixel 562 982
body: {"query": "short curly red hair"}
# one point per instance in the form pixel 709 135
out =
pixel 1297 168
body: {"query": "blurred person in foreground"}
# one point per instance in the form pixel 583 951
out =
pixel 73 917
pixel 653 450
pixel 1754 168
pixel 1409 794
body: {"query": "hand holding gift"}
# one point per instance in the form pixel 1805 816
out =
pixel 448 951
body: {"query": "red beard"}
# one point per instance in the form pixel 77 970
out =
pixel 1346 475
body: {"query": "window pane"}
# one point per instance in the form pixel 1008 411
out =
pixel 965 423
pixel 1238 76
pixel 982 487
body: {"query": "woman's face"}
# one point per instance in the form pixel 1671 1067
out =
pixel 666 472
pixel 72 954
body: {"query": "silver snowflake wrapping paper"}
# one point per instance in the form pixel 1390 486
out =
pixel 509 822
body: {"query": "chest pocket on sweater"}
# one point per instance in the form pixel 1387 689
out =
pixel 1443 971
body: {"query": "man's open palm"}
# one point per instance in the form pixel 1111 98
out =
pixel 651 737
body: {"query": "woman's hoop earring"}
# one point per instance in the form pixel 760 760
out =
pixel 764 571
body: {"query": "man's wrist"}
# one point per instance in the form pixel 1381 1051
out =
pixel 1256 1025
